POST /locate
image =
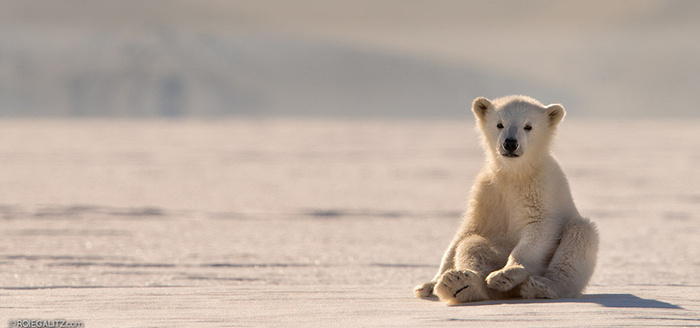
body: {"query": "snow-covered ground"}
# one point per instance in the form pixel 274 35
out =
pixel 320 222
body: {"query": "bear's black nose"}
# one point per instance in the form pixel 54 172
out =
pixel 510 145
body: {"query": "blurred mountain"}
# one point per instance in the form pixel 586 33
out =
pixel 171 73
pixel 344 59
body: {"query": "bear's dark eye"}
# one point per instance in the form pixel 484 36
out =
pixel 499 125
pixel 528 128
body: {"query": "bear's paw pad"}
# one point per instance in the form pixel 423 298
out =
pixel 460 286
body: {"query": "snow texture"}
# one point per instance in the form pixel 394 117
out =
pixel 320 222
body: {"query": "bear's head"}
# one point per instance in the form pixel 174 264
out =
pixel 516 128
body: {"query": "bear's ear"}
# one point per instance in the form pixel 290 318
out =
pixel 555 113
pixel 480 106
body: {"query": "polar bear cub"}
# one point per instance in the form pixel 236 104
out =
pixel 522 234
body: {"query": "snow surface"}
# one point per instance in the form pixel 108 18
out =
pixel 320 222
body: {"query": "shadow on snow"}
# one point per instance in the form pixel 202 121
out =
pixel 606 300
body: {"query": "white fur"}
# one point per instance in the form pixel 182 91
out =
pixel 522 234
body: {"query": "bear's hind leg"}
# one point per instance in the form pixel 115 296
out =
pixel 571 266
pixel 475 258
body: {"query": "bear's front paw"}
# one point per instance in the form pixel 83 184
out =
pixel 424 290
pixel 459 286
pixel 506 278
pixel 537 287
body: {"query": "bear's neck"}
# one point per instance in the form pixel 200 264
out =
pixel 519 169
